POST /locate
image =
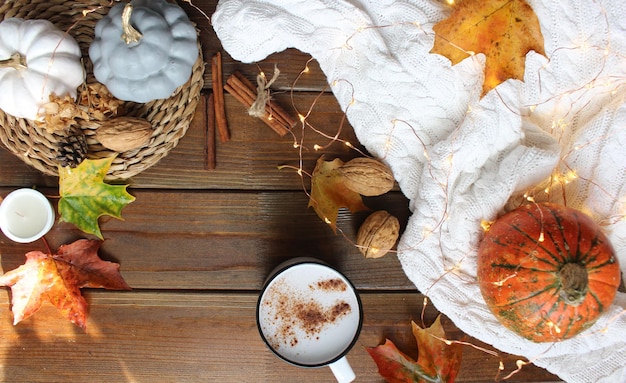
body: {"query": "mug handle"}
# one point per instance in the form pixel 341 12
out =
pixel 342 370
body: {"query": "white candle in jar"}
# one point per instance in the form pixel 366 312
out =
pixel 26 215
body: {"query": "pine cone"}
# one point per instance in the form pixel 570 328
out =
pixel 72 150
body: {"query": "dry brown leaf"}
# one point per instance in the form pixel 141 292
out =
pixel 94 102
pixel 99 101
pixel 60 113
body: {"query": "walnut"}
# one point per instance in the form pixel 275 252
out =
pixel 378 234
pixel 367 176
pixel 121 134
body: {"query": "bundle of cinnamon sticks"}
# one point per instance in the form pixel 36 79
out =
pixel 246 93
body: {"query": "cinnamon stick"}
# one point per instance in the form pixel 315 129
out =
pixel 245 92
pixel 210 157
pixel 274 111
pixel 218 98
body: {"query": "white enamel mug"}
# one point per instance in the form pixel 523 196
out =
pixel 310 315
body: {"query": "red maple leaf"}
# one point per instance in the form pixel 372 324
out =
pixel 58 278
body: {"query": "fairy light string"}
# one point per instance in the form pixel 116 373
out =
pixel 564 174
pixel 559 179
pixel 567 104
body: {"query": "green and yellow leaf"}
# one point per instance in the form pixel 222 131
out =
pixel 85 197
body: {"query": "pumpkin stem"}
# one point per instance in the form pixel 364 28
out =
pixel 130 34
pixel 574 283
pixel 17 61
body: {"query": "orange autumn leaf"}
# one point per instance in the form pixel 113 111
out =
pixel 503 30
pixel 436 355
pixel 437 361
pixel 329 192
pixel 57 278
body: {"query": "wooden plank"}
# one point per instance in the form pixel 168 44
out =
pixel 173 337
pixel 225 240
pixel 16 173
pixel 248 161
pixel 238 157
pixel 197 252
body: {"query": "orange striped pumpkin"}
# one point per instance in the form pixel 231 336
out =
pixel 547 271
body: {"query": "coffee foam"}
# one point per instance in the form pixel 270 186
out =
pixel 309 314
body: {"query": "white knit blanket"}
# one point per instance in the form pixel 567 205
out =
pixel 461 159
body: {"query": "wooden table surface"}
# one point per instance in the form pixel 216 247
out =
pixel 197 244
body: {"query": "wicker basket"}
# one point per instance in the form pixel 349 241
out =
pixel 169 117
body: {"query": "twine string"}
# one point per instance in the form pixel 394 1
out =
pixel 257 109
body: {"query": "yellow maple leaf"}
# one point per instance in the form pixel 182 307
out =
pixel 329 192
pixel 503 30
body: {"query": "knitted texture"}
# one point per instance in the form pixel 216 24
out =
pixel 557 136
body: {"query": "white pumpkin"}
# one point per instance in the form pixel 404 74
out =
pixel 36 60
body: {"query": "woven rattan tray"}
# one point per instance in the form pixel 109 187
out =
pixel 169 117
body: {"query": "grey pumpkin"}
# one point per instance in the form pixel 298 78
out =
pixel 144 50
